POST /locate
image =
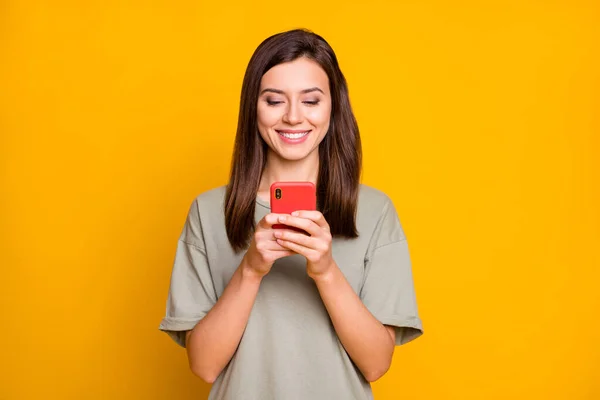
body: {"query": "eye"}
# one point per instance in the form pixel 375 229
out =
pixel 273 102
pixel 311 102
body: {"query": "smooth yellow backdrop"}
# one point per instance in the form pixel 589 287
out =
pixel 479 119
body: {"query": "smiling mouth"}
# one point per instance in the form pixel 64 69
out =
pixel 293 134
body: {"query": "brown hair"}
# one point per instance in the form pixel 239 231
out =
pixel 339 153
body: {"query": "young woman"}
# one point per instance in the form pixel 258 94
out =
pixel 273 313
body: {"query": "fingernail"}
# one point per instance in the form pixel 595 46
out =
pixel 295 213
pixel 277 234
pixel 282 218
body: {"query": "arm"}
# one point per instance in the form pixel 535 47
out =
pixel 369 343
pixel 213 341
pixel 215 338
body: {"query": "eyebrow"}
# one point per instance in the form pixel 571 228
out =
pixel 304 91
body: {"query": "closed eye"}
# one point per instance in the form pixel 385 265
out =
pixel 311 103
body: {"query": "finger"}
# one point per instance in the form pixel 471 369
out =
pixel 298 238
pixel 295 247
pixel 283 253
pixel 265 235
pixel 274 246
pixel 302 223
pixel 269 220
pixel 267 241
pixel 314 216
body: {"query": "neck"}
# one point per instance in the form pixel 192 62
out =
pixel 278 169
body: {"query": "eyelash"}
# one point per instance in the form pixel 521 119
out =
pixel 310 103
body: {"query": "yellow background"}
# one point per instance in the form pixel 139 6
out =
pixel 480 120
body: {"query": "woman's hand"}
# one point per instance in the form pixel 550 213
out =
pixel 316 247
pixel 264 249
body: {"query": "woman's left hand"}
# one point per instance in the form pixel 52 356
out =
pixel 316 247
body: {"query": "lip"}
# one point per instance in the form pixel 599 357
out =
pixel 284 139
pixel 292 130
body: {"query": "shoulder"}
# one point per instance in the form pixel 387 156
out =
pixel 203 213
pixel 376 215
pixel 370 198
pixel 207 205
pixel 210 200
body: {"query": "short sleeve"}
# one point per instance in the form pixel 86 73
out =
pixel 388 289
pixel 191 292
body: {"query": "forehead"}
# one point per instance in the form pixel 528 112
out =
pixel 295 76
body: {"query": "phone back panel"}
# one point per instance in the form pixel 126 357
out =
pixel 292 196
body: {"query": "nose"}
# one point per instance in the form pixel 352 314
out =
pixel 293 115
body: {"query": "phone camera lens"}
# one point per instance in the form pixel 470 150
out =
pixel 278 193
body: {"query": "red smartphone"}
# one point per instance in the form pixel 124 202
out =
pixel 287 197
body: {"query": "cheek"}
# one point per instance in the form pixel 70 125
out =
pixel 319 117
pixel 267 116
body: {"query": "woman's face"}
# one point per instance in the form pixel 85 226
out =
pixel 294 108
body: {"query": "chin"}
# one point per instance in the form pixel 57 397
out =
pixel 293 156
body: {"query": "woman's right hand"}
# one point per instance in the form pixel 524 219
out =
pixel 264 249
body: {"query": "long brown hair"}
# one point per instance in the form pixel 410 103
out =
pixel 340 153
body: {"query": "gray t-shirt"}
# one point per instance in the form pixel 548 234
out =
pixel 289 349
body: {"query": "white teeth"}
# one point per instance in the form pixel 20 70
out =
pixel 294 135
